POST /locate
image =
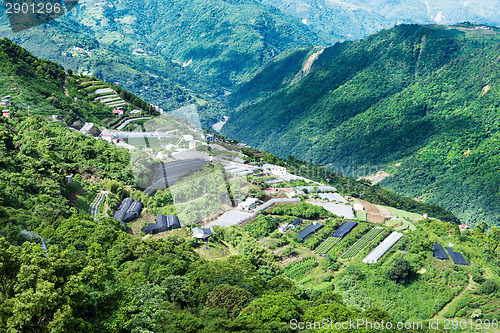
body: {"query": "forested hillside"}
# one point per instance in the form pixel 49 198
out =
pixel 418 101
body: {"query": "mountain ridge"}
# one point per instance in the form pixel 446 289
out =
pixel 366 109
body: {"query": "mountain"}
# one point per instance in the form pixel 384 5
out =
pixel 419 102
pixel 354 19
pixel 158 50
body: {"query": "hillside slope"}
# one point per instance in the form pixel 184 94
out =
pixel 422 96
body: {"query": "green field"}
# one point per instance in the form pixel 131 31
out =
pixel 326 246
pixel 362 243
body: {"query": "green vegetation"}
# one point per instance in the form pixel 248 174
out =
pixel 324 247
pixel 413 100
pixel 362 243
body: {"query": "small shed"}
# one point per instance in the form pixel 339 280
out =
pixel 296 222
pixel 202 233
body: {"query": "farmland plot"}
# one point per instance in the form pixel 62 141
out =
pixel 324 247
pixel 362 243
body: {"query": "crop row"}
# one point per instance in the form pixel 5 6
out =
pixel 361 243
pixel 324 247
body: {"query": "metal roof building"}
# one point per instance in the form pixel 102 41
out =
pixel 345 229
pixel 382 248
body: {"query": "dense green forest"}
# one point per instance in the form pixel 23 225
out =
pixel 419 102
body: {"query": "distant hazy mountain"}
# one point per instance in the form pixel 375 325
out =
pixel 351 19
pixel 419 102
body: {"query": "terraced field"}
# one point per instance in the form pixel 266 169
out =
pixel 327 245
pixel 362 243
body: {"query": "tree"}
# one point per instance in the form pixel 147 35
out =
pixel 273 307
pixel 231 298
pixel 402 271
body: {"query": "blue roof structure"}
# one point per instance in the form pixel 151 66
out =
pixel 344 229
pixel 457 257
pixel 439 252
pixel 309 230
pixel 297 222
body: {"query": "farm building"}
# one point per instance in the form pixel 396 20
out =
pixel 249 204
pixel 345 229
pixel 285 226
pixel 202 233
pixel 439 252
pixel 457 257
pixel 122 209
pixel 382 248
pixel 309 230
pixel 163 223
pixel 278 170
pixel 134 211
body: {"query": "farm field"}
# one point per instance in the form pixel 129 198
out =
pixel 360 216
pixel 404 214
pixel 326 246
pixel 362 243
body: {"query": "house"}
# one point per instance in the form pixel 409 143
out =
pixel 202 233
pixel 187 137
pixel 69 179
pixel 463 227
pixel 135 111
pixel 192 145
pixel 249 204
pixel 6 113
pixel 118 112
pixel 285 226
pixel 209 137
pixel 278 170
pixel 289 192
